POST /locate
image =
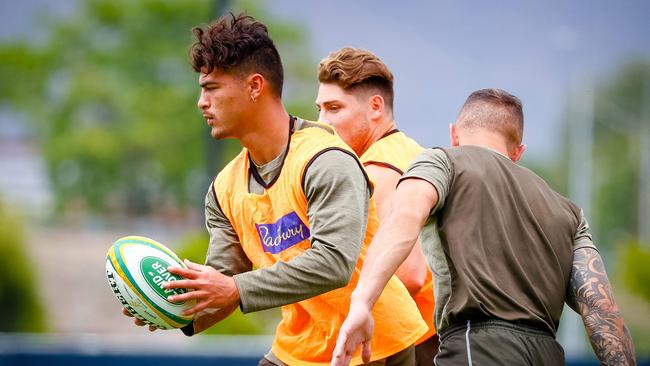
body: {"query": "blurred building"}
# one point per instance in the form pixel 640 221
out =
pixel 24 184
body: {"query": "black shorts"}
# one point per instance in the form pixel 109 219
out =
pixel 405 357
pixel 498 342
pixel 426 351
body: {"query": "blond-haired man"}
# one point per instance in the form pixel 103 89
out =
pixel 356 97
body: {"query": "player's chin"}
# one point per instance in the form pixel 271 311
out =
pixel 218 133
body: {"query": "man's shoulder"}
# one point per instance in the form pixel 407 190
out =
pixel 404 138
pixel 235 164
pixel 522 174
pixel 467 149
pixel 303 124
pixel 312 139
pixel 434 154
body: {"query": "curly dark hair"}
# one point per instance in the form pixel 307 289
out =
pixel 237 44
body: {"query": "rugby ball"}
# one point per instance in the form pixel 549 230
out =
pixel 136 268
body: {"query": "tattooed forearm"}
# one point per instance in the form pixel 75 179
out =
pixel 590 295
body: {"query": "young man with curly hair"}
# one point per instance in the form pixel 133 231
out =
pixel 289 218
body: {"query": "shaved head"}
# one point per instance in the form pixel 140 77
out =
pixel 494 110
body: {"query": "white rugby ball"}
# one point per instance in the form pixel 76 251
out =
pixel 136 268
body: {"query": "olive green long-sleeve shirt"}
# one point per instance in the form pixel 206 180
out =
pixel 337 206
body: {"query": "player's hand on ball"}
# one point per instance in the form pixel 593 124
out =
pixel 136 267
pixel 211 289
pixel 137 321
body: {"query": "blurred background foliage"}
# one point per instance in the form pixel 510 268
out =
pixel 636 270
pixel 631 289
pixel 112 100
pixel 621 123
pixel 110 97
pixel 20 306
pixel 618 149
pixel 621 117
pixel 620 114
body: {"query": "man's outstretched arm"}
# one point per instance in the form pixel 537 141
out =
pixel 590 295
pixel 410 206
pixel 413 271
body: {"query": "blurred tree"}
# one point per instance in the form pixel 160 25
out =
pixel 633 271
pixel 636 268
pixel 619 184
pixel 620 117
pixel 20 307
pixel 112 99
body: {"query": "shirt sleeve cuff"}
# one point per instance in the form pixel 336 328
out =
pixel 188 330
pixel 441 198
pixel 585 243
pixel 240 283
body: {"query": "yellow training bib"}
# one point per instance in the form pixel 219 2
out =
pixel 274 226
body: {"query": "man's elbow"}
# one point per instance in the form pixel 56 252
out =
pixel 340 281
pixel 341 278
pixel 334 282
pixel 412 283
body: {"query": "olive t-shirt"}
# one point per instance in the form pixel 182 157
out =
pixel 499 241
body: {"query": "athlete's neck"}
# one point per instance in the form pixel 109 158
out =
pixel 375 135
pixel 268 134
pixel 492 141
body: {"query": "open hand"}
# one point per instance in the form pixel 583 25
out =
pixel 356 330
pixel 137 321
pixel 211 289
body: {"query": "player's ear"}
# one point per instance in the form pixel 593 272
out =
pixel 517 153
pixel 454 140
pixel 256 84
pixel 376 106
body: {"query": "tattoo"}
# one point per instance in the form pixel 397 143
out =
pixel 590 295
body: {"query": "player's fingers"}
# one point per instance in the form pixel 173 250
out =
pixel 340 342
pixel 345 359
pixel 338 359
pixel 192 265
pixel 152 328
pixel 197 295
pixel 366 352
pixel 348 359
pixel 198 307
pixel 340 355
pixel 127 313
pixel 183 272
pixel 191 284
pixel 138 322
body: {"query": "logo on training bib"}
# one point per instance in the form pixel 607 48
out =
pixel 284 233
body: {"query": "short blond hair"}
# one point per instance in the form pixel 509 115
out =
pixel 355 68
